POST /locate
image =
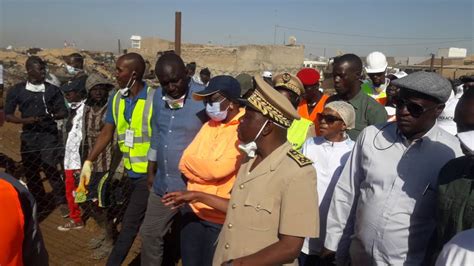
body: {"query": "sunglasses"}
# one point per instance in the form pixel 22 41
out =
pixel 330 119
pixel 414 109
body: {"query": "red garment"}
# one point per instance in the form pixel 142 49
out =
pixel 303 111
pixel 74 210
pixel 11 226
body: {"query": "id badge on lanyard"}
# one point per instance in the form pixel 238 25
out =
pixel 129 138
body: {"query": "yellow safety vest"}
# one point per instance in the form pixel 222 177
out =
pixel 135 159
pixel 298 132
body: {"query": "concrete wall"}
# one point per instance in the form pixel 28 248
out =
pixel 230 60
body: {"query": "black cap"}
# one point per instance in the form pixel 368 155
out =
pixel 226 85
pixel 75 85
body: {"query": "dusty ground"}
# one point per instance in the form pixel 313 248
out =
pixel 64 248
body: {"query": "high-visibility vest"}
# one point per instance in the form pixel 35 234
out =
pixel 380 98
pixel 298 132
pixel 134 159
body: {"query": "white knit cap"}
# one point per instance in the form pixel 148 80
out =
pixel 345 110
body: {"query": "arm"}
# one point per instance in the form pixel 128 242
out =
pixel 106 135
pixel 18 120
pixel 376 114
pixel 178 199
pixel 284 251
pixel 60 110
pixel 198 169
pixel 341 214
pixel 152 152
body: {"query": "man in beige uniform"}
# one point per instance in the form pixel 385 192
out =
pixel 273 204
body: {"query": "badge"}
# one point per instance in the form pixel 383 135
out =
pixel 129 138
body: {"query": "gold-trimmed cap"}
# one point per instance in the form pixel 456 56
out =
pixel 271 103
pixel 290 82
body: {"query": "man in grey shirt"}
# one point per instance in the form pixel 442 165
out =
pixel 385 198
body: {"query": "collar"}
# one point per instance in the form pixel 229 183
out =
pixel 142 94
pixel 430 135
pixel 326 142
pixel 355 102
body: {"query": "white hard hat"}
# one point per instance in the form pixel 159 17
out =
pixel 376 63
pixel 267 74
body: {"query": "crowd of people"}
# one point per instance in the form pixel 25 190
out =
pixel 267 169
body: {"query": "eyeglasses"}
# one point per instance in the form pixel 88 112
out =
pixel 330 119
pixel 414 109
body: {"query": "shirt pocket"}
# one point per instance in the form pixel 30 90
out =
pixel 259 211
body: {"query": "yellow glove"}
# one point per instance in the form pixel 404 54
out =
pixel 81 192
pixel 86 172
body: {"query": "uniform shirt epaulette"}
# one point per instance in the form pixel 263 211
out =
pixel 299 158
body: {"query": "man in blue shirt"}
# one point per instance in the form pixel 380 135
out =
pixel 133 93
pixel 176 119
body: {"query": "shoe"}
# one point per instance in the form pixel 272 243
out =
pixel 103 251
pixel 95 243
pixel 71 225
pixel 64 210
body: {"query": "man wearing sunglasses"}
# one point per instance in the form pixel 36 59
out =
pixel 386 195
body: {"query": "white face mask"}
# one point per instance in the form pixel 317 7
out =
pixel 251 147
pixel 35 88
pixel 71 70
pixel 174 103
pixel 214 112
pixel 125 91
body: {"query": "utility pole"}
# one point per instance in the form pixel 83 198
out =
pixel 275 35
pixel 119 48
pixel 432 62
pixel 177 33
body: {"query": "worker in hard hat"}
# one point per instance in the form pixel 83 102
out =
pixel 376 69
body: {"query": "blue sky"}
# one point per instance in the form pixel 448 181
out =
pixel 402 28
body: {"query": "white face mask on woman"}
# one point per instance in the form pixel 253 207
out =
pixel 214 112
pixel 251 147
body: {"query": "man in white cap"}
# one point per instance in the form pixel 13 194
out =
pixel 386 195
pixel 376 69
pixel 455 199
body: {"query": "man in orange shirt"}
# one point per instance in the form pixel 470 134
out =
pixel 21 241
pixel 210 163
pixel 313 99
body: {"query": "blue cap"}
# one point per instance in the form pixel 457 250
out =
pixel 228 86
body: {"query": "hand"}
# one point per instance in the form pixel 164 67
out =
pixel 149 181
pixel 179 198
pixel 31 120
pixel 86 172
pixel 326 253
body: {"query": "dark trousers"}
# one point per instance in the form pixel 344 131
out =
pixel 42 150
pixel 131 222
pixel 198 239
pixel 313 260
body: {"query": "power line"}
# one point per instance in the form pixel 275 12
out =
pixel 387 45
pixel 371 36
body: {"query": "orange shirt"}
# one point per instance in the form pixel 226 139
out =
pixel 11 226
pixel 303 111
pixel 211 163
